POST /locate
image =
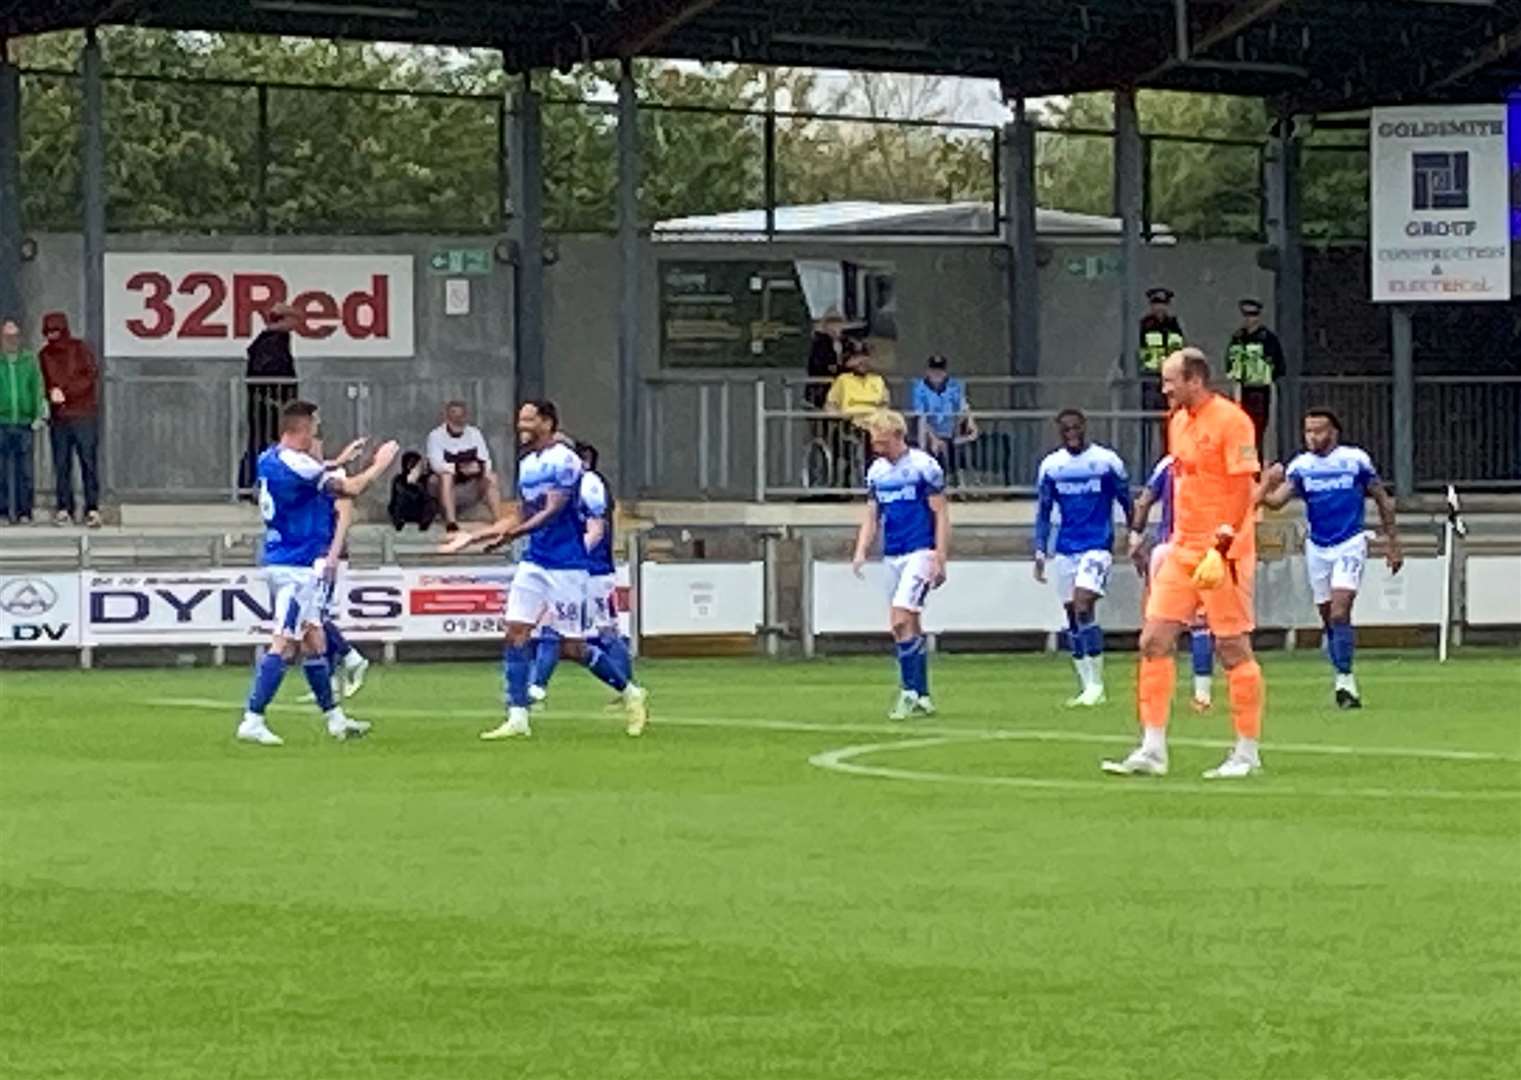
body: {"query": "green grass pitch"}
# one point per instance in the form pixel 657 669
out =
pixel 706 903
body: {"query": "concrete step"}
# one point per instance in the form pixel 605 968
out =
pixel 218 515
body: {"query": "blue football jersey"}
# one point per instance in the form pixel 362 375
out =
pixel 1159 483
pixel 1333 486
pixel 557 544
pixel 298 512
pixel 1084 487
pixel 901 491
pixel 597 503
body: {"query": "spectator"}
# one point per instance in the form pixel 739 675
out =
pixel 410 501
pixel 22 411
pixel 72 378
pixel 269 359
pixel 824 353
pixel 945 415
pixel 1254 361
pixel 1161 336
pixel 858 393
pixel 461 466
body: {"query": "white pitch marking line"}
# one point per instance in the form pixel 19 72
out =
pixel 799 726
pixel 842 760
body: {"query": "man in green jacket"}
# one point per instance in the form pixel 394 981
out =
pixel 22 411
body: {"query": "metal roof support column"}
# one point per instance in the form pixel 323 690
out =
pixel 93 181
pixel 525 230
pixel 1019 233
pixel 1285 233
pixel 10 187
pixel 1129 200
pixel 1403 400
pixel 629 387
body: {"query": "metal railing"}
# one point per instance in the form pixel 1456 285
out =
pixel 765 437
pixel 194 438
pixel 1467 427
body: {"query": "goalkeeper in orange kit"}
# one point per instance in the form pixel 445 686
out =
pixel 1212 564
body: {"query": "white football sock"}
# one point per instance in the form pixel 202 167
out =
pixel 1080 665
pixel 1154 740
pixel 1203 688
pixel 1246 748
pixel 1096 669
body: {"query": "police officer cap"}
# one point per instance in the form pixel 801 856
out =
pixel 1251 306
pixel 1159 295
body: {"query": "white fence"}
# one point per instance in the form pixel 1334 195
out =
pixel 89 609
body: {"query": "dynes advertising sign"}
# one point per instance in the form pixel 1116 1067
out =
pixel 212 305
pixel 1441 219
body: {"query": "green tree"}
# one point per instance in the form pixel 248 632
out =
pixel 1197 188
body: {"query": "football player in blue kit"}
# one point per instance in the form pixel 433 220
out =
pixel 298 530
pixel 550 582
pixel 906 503
pixel 1335 481
pixel 1083 482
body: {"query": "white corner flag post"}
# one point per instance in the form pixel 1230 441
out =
pixel 1451 532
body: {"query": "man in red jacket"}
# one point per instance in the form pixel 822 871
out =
pixel 71 376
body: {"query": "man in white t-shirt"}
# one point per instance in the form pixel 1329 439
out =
pixel 460 465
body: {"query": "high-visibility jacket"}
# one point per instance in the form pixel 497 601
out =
pixel 1159 337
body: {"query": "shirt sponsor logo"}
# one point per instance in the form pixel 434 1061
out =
pixel 1093 486
pixel 1340 482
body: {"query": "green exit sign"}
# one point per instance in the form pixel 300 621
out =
pixel 466 261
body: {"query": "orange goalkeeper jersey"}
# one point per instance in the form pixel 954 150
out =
pixel 1210 445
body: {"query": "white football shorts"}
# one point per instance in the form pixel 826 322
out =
pixel 552 598
pixel 1337 567
pixel 602 604
pixel 297 592
pixel 1088 570
pixel 910 578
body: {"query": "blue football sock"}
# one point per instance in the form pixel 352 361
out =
pixel 1074 636
pixel 1093 639
pixel 907 665
pixel 921 666
pixel 266 682
pixel 1202 644
pixel 320 678
pixel 616 647
pixel 1342 647
pixel 546 656
pixel 601 664
pixel 337 645
pixel 517 665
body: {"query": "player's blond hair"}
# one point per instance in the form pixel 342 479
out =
pixel 887 422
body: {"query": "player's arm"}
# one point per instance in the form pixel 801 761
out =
pixel 354 486
pixel 941 507
pixel 1140 514
pixel 596 529
pixel 350 453
pixel 866 535
pixel 1121 481
pixel 1394 553
pixel 343 510
pixel 1276 490
pixel 1045 498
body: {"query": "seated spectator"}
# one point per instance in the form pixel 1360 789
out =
pixel 945 415
pixel 72 377
pixel 460 466
pixel 23 410
pixel 410 502
pixel 858 392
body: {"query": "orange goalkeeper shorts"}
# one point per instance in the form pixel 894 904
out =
pixel 1175 598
